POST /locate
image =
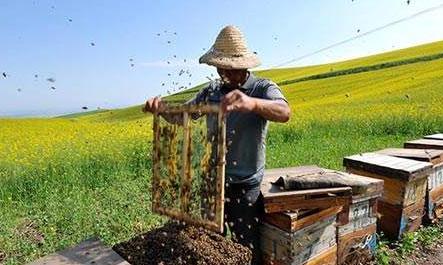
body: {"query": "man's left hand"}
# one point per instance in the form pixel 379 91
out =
pixel 238 101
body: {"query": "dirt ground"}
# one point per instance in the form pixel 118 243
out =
pixel 432 255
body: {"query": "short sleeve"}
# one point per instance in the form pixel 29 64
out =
pixel 273 92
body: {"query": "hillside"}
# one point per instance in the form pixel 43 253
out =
pixel 396 77
pixel 89 173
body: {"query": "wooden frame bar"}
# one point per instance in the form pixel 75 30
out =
pixel 156 164
pixel 221 168
pixel 186 172
pixel 203 109
pixel 182 214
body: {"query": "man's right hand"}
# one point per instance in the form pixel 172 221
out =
pixel 153 105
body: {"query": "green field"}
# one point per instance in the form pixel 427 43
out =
pixel 65 179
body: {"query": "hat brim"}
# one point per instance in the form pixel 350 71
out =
pixel 245 61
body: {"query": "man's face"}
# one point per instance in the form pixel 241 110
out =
pixel 234 78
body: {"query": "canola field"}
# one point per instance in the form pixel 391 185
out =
pixel 65 179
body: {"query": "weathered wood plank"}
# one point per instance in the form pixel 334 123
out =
pixel 436 194
pixel 300 246
pixel 276 199
pixel 437 136
pixel 434 205
pixel 389 166
pixel 91 251
pixel 398 192
pixel 435 179
pixel 396 220
pixel 425 144
pixel 354 241
pixel 356 225
pixel 303 193
pixel 220 188
pixel 291 222
pixel 293 203
pixel 433 156
pixel 328 257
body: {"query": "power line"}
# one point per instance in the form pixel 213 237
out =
pixel 361 35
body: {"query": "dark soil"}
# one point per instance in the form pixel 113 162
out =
pixel 182 244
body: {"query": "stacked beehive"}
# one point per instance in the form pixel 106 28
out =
pixel 434 192
pixel 300 226
pixel 357 239
pixel 435 181
pixel 405 182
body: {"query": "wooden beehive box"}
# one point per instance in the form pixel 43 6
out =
pixel 359 234
pixel 434 192
pixel 405 183
pixel 277 200
pixel 425 144
pixel 303 246
pixel 438 136
pixel 300 225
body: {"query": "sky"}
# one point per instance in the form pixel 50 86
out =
pixel 62 56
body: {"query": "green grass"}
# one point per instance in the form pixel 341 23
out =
pixel 393 253
pixel 98 183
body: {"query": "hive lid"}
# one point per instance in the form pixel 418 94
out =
pixel 314 177
pixel 277 199
pixel 362 186
pixel 425 144
pixel 389 166
pixel 426 155
pixel 437 136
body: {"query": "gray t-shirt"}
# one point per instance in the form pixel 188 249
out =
pixel 245 132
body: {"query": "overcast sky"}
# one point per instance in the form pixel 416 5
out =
pixel 60 56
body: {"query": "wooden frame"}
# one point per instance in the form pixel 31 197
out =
pixel 182 214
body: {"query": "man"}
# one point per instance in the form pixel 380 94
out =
pixel 249 104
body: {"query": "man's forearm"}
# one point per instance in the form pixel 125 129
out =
pixel 273 110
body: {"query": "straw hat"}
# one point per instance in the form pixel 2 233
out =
pixel 230 51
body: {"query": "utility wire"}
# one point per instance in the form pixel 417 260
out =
pixel 361 35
